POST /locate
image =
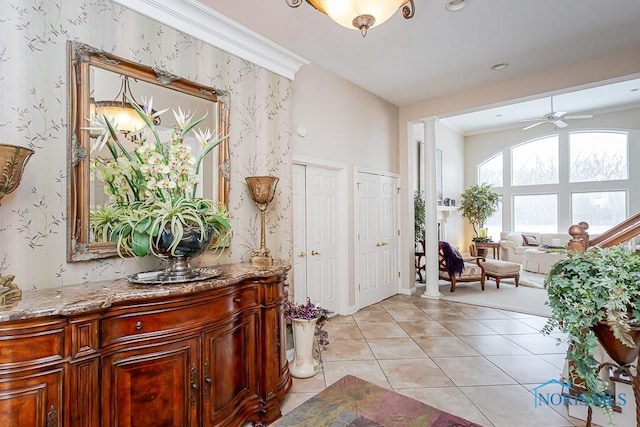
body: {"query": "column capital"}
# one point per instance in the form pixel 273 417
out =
pixel 431 120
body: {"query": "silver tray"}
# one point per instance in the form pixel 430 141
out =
pixel 151 277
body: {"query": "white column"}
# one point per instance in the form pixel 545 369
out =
pixel 431 209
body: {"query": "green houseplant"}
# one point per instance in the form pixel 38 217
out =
pixel 593 294
pixel 478 203
pixel 151 180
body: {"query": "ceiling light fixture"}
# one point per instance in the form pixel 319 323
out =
pixel 119 111
pixel 456 5
pixel 360 14
pixel 500 66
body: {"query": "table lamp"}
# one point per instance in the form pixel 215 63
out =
pixel 262 190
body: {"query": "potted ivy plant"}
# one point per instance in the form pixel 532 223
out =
pixel 478 203
pixel 595 298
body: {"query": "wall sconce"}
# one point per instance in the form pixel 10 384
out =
pixel 13 159
pixel 262 189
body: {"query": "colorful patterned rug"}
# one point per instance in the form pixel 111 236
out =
pixel 353 402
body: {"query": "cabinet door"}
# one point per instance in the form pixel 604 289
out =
pixel 230 372
pixel 154 385
pixel 32 399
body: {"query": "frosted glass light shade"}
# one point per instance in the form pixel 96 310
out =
pixel 121 114
pixel 345 11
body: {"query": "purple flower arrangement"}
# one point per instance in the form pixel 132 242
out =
pixel 307 311
pixel 310 311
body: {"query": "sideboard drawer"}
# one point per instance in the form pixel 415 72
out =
pixel 147 322
pixel 32 342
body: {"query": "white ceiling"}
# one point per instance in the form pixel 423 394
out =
pixel 437 53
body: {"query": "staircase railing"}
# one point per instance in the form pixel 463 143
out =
pixel 620 233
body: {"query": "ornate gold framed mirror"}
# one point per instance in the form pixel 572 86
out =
pixel 99 81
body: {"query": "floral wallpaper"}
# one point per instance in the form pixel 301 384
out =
pixel 33 113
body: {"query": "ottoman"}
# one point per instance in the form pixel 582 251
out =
pixel 537 261
pixel 496 270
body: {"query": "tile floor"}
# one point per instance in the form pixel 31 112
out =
pixel 476 362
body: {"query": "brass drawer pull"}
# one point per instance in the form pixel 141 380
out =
pixel 237 300
pixel 138 325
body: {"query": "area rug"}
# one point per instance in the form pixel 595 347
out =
pixel 354 402
pixel 523 299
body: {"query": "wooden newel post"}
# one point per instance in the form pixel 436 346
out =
pixel 576 243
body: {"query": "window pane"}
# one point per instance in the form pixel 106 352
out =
pixel 535 162
pixel 494 223
pixel 537 213
pixel 600 210
pixel 491 171
pixel 597 156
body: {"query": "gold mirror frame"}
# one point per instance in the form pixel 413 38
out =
pixel 81 58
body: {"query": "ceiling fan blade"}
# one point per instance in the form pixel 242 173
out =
pixel 580 116
pixel 559 114
pixel 560 124
pixel 531 120
pixel 533 125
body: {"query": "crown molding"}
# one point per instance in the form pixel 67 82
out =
pixel 204 23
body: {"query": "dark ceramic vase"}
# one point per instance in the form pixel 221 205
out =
pixel 191 245
pixel 619 352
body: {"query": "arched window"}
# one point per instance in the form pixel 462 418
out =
pixel 562 179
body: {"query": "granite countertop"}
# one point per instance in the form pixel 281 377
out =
pixel 95 296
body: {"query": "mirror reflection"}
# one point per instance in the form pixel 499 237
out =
pixel 102 84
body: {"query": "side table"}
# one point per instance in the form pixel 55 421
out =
pixel 494 246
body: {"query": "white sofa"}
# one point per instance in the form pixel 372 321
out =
pixel 513 245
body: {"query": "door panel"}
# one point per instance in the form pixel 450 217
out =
pixel 316 225
pixel 152 386
pixel 377 245
pixel 299 271
pixel 230 364
pixel 32 399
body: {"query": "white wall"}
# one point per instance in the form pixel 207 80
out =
pixel 453 158
pixel 346 125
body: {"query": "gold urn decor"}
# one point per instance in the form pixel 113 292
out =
pixel 262 190
pixel 13 160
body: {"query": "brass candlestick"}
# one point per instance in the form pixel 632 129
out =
pixel 262 189
pixel 13 159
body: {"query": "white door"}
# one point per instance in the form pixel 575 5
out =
pixel 315 213
pixel 377 238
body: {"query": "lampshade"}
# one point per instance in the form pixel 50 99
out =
pixel 13 159
pixel 119 113
pixel 360 14
pixel 344 12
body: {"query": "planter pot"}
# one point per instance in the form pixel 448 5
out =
pixel 303 365
pixel 619 352
pixel 191 245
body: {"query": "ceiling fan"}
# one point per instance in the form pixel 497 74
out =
pixel 556 117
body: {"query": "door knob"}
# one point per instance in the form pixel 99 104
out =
pixel 384 244
pixel 378 244
pixel 302 254
pixel 315 253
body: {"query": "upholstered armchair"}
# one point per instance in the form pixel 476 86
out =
pixel 452 267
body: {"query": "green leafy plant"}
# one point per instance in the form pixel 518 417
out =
pixel 478 203
pixel 419 216
pixel 598 285
pixel 152 187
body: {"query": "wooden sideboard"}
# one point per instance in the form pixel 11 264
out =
pixel 208 353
